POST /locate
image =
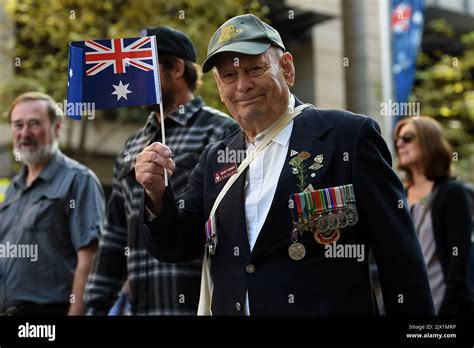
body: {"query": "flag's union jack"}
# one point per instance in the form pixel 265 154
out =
pixel 118 56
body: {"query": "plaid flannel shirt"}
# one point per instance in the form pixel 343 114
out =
pixel 155 288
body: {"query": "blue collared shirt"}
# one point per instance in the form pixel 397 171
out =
pixel 42 226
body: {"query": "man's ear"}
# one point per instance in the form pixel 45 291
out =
pixel 218 82
pixel 288 68
pixel 57 128
pixel 178 69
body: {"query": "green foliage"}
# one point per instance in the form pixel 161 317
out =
pixel 45 27
pixel 444 88
pixel 440 26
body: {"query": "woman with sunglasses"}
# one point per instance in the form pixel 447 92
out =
pixel 440 211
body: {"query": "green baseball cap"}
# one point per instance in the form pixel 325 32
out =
pixel 245 34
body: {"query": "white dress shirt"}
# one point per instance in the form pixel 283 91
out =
pixel 261 181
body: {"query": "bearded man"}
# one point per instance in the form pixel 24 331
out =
pixel 50 220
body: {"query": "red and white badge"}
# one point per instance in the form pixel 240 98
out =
pixel 225 173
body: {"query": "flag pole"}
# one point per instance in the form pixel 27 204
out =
pixel 162 118
pixel 163 140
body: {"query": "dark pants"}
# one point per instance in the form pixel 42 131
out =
pixel 30 308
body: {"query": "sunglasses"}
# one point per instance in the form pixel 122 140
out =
pixel 406 138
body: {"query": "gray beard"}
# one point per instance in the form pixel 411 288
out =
pixel 41 154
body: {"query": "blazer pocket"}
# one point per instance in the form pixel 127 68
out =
pixel 347 306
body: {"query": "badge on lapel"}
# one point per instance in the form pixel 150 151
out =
pixel 225 173
pixel 298 168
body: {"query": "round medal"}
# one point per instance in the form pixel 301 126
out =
pixel 327 238
pixel 333 221
pixel 341 219
pixel 352 216
pixel 321 223
pixel 296 251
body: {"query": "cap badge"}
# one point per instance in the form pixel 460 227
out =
pixel 228 33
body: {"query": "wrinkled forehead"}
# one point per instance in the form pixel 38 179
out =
pixel 234 59
pixel 30 109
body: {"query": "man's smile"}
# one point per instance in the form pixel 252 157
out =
pixel 251 100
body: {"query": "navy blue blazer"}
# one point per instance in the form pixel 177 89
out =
pixel 354 153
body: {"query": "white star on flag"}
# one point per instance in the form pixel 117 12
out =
pixel 70 73
pixel 121 90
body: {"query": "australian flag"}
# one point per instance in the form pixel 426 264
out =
pixel 112 74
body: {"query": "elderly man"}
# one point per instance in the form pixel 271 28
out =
pixel 156 288
pixel 53 211
pixel 289 231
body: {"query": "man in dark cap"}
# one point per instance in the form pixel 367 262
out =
pixel 288 232
pixel 156 288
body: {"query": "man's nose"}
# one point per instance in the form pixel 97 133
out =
pixel 244 82
pixel 25 132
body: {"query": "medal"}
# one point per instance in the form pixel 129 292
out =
pixel 312 223
pixel 211 235
pixel 333 221
pixel 352 216
pixel 299 212
pixel 303 226
pixel 322 223
pixel 327 238
pixel 351 211
pixel 341 219
pixel 296 251
pixel 323 212
pixel 340 197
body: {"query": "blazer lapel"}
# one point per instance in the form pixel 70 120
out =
pixel 231 222
pixel 304 137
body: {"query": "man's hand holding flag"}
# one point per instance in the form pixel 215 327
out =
pixel 114 73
